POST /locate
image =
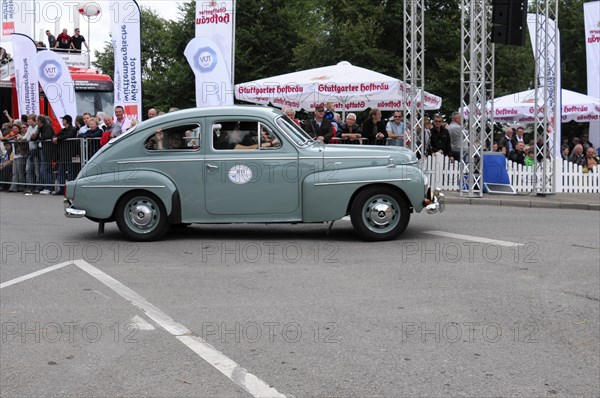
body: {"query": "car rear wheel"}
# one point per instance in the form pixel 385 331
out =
pixel 379 213
pixel 141 216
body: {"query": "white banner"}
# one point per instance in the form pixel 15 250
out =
pixel 57 83
pixel 591 16
pixel 210 54
pixel 18 16
pixel 127 46
pixel 552 79
pixel 26 76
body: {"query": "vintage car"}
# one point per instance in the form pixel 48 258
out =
pixel 245 164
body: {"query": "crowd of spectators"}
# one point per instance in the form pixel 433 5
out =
pixel 36 158
pixel 441 137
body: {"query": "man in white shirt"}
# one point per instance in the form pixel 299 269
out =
pixel 396 129
pixel 120 119
pixel 32 167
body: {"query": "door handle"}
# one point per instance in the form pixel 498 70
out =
pixel 210 166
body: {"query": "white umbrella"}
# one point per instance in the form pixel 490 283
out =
pixel 519 107
pixel 350 87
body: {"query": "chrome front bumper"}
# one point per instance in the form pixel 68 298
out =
pixel 70 211
pixel 437 204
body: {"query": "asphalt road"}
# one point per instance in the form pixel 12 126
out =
pixel 228 311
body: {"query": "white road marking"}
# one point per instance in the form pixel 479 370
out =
pixel 34 274
pixel 252 384
pixel 474 238
pixel 141 323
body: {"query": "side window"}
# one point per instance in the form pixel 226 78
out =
pixel 184 137
pixel 243 135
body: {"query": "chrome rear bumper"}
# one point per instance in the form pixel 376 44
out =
pixel 70 211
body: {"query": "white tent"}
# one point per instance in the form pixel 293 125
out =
pixel 350 87
pixel 519 107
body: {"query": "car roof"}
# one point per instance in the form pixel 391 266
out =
pixel 237 110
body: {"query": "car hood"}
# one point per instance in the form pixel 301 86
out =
pixel 367 155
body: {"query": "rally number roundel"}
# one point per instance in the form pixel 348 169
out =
pixel 240 174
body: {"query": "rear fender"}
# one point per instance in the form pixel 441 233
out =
pixel 101 193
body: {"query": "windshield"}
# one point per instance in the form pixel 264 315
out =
pixel 94 102
pixel 299 136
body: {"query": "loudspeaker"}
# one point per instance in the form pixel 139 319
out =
pixel 509 18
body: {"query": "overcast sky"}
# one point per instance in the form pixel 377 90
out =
pixel 99 28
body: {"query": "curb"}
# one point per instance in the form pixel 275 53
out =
pixel 522 203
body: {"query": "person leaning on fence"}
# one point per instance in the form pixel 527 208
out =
pixel 6 162
pixel 396 128
pixel 20 150
pixel 455 130
pixel 51 39
pixel 93 130
pixel 45 134
pixel 32 168
pixel 592 159
pixel 577 156
pixel 508 141
pixel 440 138
pixel 374 128
pixel 518 154
pixel 529 156
pixel 350 130
pixel 66 151
pixel 318 127
pixel 564 152
pixel 291 114
pixel 63 41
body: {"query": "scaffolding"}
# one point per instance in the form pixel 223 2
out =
pixel 477 71
pixel 547 96
pixel 414 51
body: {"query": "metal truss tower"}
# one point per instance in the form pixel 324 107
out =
pixel 414 51
pixel 477 66
pixel 547 96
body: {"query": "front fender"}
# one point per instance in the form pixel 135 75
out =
pixel 327 194
pixel 98 195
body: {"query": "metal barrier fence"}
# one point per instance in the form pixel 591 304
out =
pixel 46 165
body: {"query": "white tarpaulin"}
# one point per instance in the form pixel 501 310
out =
pixel 519 107
pixel 350 87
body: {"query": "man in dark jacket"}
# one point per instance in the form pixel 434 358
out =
pixel 45 134
pixel 66 150
pixel 319 127
pixel 508 141
pixel 518 154
pixel 440 138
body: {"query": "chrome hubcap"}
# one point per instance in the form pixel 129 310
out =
pixel 381 214
pixel 141 214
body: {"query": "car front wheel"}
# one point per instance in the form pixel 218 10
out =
pixel 379 213
pixel 141 216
